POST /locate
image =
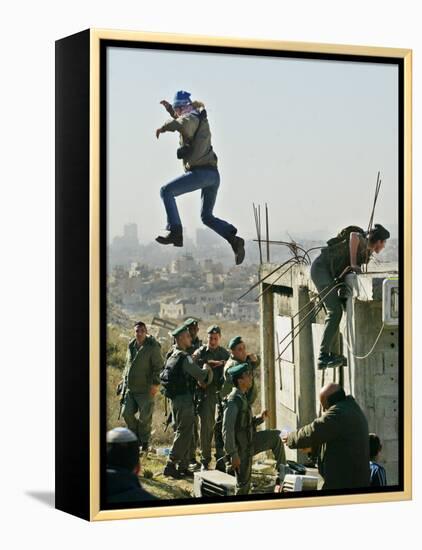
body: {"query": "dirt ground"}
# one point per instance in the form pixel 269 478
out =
pixel 152 479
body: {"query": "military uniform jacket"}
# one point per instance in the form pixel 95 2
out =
pixel 197 133
pixel 251 394
pixel 342 435
pixel 190 369
pixel 143 365
pixel 196 344
pixel 238 427
pixel 203 355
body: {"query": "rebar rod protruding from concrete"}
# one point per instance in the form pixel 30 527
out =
pixel 267 233
pixel 257 216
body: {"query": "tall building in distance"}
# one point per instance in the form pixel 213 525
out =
pixel 125 248
pixel 130 234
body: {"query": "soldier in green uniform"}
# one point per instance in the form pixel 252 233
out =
pixel 241 440
pixel 352 248
pixel 238 355
pixel 214 356
pixel 141 378
pixel 178 378
pixel 193 327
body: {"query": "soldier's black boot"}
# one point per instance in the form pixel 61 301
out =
pixel 220 465
pixel 184 473
pixel 194 465
pixel 174 237
pixel 170 470
pixel 238 247
pixel 204 466
pixel 144 447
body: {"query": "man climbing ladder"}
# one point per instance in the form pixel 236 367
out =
pixel 201 172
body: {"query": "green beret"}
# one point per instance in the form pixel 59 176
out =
pixel 190 322
pixel 234 341
pixel 237 370
pixel 177 331
pixel 214 329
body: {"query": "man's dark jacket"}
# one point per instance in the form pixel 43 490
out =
pixel 124 486
pixel 343 437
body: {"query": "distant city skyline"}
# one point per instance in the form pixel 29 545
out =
pixel 125 249
pixel 306 136
pixel 191 233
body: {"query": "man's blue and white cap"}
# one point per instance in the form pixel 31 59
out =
pixel 181 99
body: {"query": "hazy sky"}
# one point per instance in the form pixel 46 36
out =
pixel 307 137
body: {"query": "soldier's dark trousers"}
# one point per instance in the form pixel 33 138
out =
pixel 143 405
pixel 264 440
pixel 195 438
pixel 324 281
pixel 219 442
pixel 183 425
pixel 207 423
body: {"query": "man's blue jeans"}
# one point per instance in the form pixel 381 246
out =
pixel 206 179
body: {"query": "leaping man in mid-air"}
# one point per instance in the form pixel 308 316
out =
pixel 201 172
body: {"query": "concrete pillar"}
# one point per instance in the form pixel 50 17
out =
pixel 266 304
pixel 304 364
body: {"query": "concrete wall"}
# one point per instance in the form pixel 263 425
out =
pixel 290 386
pixel 376 377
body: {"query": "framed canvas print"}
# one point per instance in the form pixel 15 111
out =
pixel 233 276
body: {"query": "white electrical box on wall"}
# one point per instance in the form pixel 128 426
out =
pixel 390 301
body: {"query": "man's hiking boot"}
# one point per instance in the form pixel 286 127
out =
pixel 238 247
pixel 174 237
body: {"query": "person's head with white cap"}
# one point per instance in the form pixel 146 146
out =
pixel 122 449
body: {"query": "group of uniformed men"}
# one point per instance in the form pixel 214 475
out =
pixel 211 391
pixel 198 378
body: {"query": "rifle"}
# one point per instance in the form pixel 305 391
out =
pixel 122 390
pixel 198 393
pixel 168 417
pixel 168 421
pixel 198 397
pixel 220 406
